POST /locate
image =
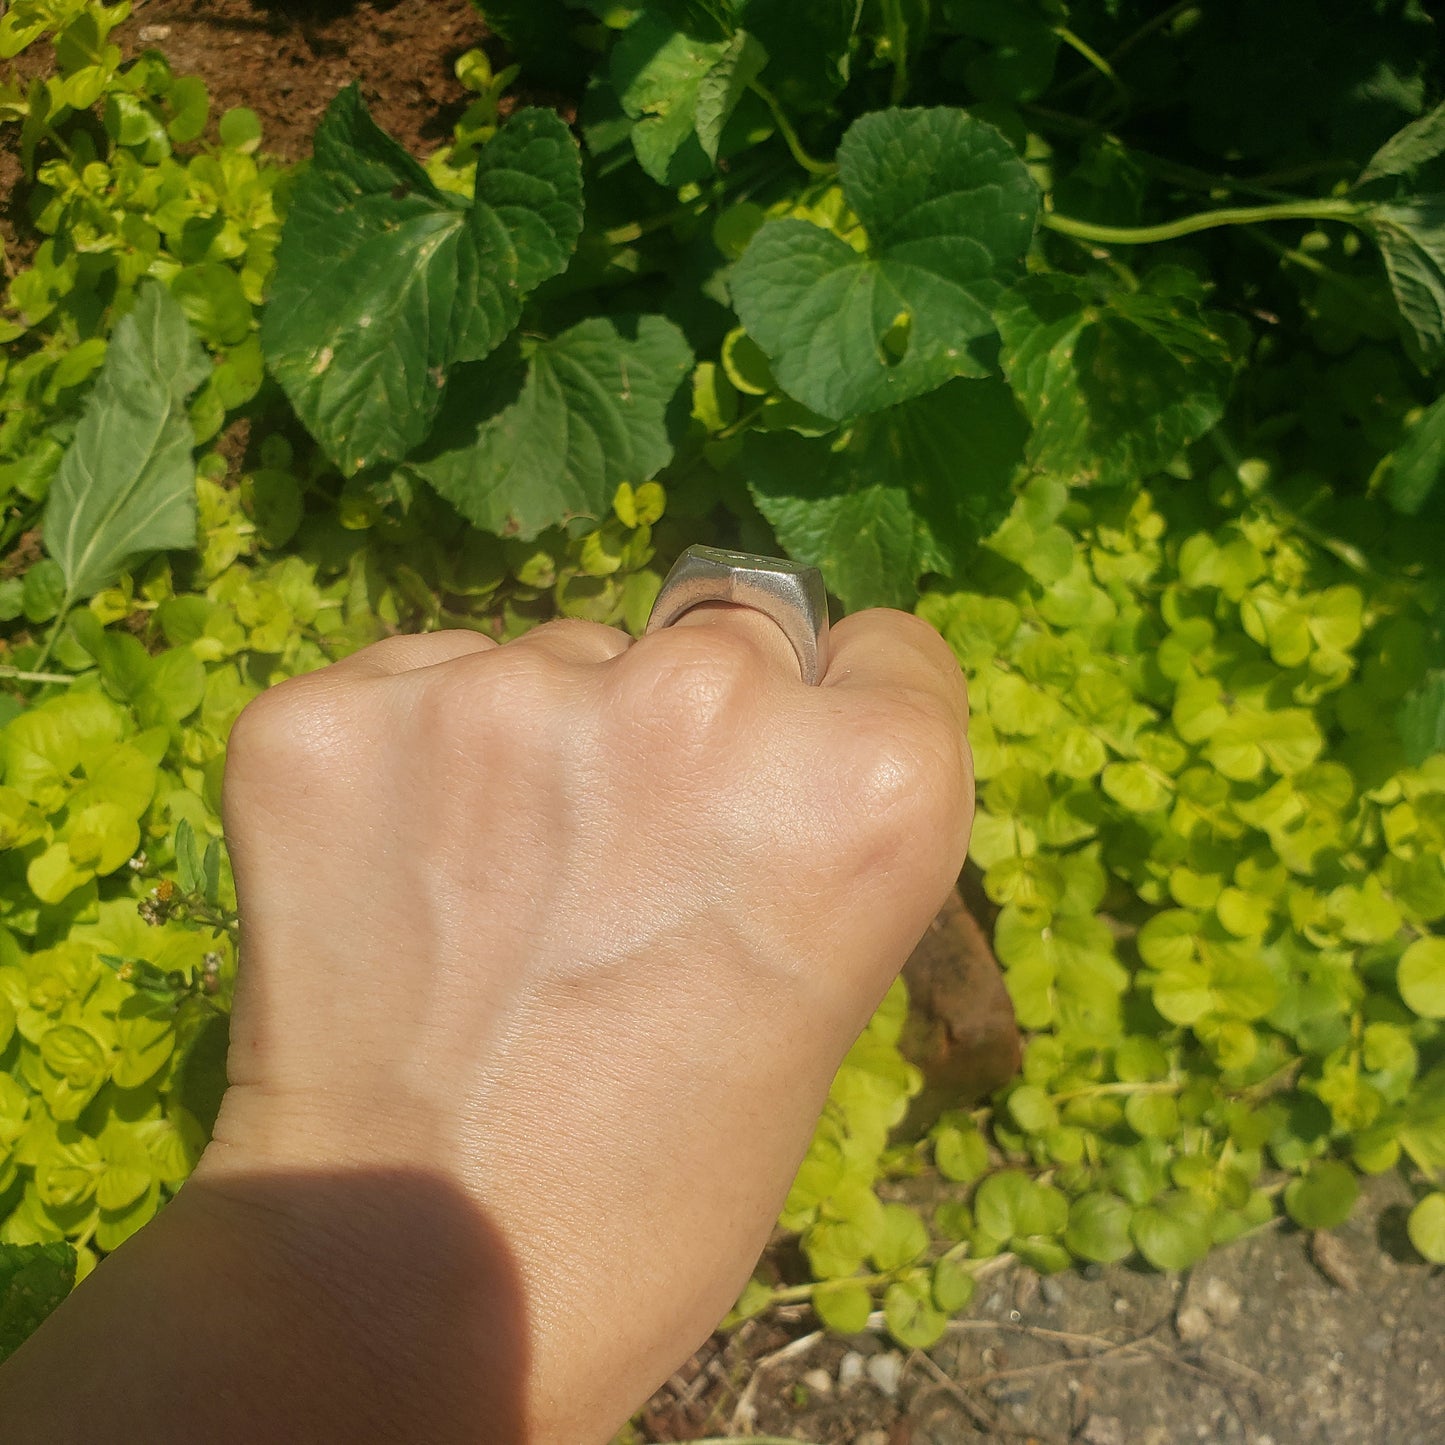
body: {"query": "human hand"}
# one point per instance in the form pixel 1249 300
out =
pixel 550 952
pixel 585 925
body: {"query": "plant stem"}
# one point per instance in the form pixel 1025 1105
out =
pixel 1080 46
pixel 20 675
pixel 51 637
pixel 809 163
pixel 897 28
pixel 1157 22
pixel 794 1293
pixel 1161 1086
pixel 1328 209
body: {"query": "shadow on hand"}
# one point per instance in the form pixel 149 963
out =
pixel 289 1307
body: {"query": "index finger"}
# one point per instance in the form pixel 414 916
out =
pixel 883 650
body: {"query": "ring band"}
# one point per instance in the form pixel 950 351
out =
pixel 791 594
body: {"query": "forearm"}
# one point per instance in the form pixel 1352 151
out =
pixel 340 1307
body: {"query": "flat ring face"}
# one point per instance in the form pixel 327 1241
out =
pixel 789 593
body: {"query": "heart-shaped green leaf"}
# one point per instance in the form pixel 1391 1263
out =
pixel 949 210
pixel 383 282
pixel 527 441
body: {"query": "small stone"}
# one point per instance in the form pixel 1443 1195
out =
pixel 1222 1302
pixel 850 1370
pixel 1102 1430
pixel 820 1382
pixel 1052 1290
pixel 886 1371
pixel 148 33
pixel 1121 1306
pixel 1193 1324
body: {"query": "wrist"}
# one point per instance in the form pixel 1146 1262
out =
pixel 324 1307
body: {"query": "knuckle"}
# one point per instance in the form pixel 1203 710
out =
pixel 684 683
pixel 913 777
pixel 285 724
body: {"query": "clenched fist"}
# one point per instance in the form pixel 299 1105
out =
pixel 550 951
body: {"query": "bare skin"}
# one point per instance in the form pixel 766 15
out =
pixel 550 953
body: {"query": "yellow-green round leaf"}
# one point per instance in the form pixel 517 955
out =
pixel 1323 1197
pixel 953 1285
pixel 843 1305
pixel 1426 1227
pixel 1421 977
pixel 912 1317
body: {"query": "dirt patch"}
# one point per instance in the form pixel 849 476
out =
pixel 1257 1346
pixel 287 59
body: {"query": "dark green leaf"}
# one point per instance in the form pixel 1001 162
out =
pixel 126 485
pixel 383 283
pixel 949 210
pixel 912 489
pixel 1419 461
pixel 211 873
pixel 34 1279
pixel 1117 385
pixel 809 47
pixel 526 444
pixel 1421 718
pixel 658 71
pixel 1410 148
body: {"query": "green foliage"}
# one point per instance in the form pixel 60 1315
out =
pixel 126 485
pixel 143 193
pixel 942 299
pixel 384 282
pixel 34 1279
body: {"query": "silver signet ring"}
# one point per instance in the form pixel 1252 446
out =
pixel 791 594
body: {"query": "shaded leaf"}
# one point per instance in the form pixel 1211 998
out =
pixel 526 441
pixel 1116 385
pixel 1411 238
pixel 1419 462
pixel 34 1279
pixel 911 490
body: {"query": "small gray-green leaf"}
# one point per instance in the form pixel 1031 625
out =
pixel 383 282
pixel 949 210
pixel 126 484
pixel 526 443
pixel 911 485
pixel 1116 385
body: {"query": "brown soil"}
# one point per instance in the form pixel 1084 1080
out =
pixel 288 58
